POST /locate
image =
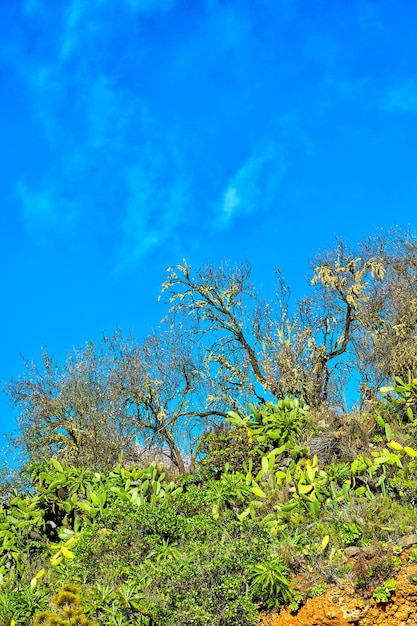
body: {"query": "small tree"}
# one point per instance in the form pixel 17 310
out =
pixel 225 347
pixel 69 410
pixel 163 389
pixel 391 317
pixel 112 398
pixel 259 349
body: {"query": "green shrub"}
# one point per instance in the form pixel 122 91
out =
pixel 270 583
pixel 383 594
pixel 20 604
pixel 350 533
pixel 186 568
pixel 226 444
pixel 318 589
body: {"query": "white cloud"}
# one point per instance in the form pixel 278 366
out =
pixel 231 202
pixel 253 187
pixel 97 130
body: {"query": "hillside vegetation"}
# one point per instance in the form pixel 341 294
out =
pixel 192 479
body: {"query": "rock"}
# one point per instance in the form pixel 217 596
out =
pixel 342 605
pixel 351 551
pixel 407 541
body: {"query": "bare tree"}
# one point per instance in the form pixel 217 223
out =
pixel 255 348
pixel 67 410
pixel 163 388
pixel 117 397
pixel 344 285
pixel 387 345
pixel 224 347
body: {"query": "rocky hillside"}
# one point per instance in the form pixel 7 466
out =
pixel 343 605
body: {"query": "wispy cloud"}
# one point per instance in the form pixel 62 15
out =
pixel 402 98
pixel 44 212
pixel 72 27
pixel 155 210
pixel 89 123
pixel 153 111
pixel 112 115
pixel 93 115
pixel 147 6
pixel 253 187
pixel 371 13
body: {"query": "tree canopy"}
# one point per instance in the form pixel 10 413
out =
pixel 221 347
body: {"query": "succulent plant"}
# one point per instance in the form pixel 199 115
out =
pixel 69 612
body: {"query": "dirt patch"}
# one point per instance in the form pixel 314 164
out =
pixel 345 606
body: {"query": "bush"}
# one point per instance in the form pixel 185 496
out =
pixel 188 569
pixel 226 444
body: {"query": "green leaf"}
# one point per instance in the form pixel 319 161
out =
pixel 258 491
pixel 314 508
pixel 346 490
pixel 386 389
pixel 234 418
pixel 245 513
pixel 286 508
pixel 137 498
pixel 121 493
pixel 93 497
pixel 65 533
pixel 57 465
pixel 324 543
pixel 276 434
pixel 304 489
pixel 144 486
pixel 394 445
pixel 85 506
pixel 380 421
pixel 394 459
pixel 383 458
pixel 67 553
pixel 56 559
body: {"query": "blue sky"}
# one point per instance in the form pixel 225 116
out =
pixel 138 132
